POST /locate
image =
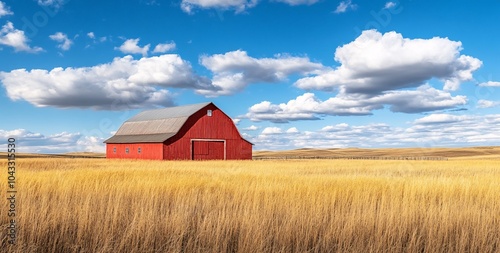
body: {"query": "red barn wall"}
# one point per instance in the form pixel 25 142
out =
pixel 200 126
pixel 152 151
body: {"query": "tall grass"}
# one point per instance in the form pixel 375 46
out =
pixel 87 205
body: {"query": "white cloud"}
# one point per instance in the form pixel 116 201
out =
pixel 309 107
pixel 345 6
pixel 389 5
pixel 338 127
pixel 97 40
pixel 440 119
pixel 298 2
pixel 124 83
pixel 282 113
pixel 63 39
pixel 54 3
pixel 468 131
pixel 375 62
pixel 30 142
pixel 162 48
pixel 272 130
pixel 130 47
pixel 292 130
pixel 237 5
pixel 487 103
pixel 424 99
pixel 90 144
pixel 9 36
pixel 233 71
pixel 236 121
pixel 250 128
pixel 4 10
pixel 490 84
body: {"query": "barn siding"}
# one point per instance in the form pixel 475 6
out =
pixel 200 126
pixel 152 151
pixel 238 149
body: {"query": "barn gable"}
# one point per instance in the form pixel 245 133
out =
pixel 199 131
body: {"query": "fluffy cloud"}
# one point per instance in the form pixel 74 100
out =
pixel 487 103
pixel 309 107
pixel 125 83
pixel 424 99
pixel 233 71
pixel 490 84
pixel 375 62
pixel 96 39
pixel 131 46
pixel 62 38
pixel 29 142
pixel 162 48
pixel 440 119
pixel 298 2
pixel 272 130
pixel 237 5
pixel 282 113
pixel 467 131
pixel 9 36
pixel 250 128
pixel 389 5
pixel 54 3
pixel 345 6
pixel 4 10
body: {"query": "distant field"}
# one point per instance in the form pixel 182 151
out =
pixel 99 205
pixel 450 153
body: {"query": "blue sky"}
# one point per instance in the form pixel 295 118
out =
pixel 291 73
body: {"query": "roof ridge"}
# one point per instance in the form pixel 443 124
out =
pixel 168 112
pixel 172 107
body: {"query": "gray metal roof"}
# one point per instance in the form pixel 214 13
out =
pixel 154 125
pixel 170 112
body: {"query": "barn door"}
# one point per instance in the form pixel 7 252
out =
pixel 208 150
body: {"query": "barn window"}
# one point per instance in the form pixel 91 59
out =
pixel 114 150
pixel 126 150
pixel 209 113
pixel 138 150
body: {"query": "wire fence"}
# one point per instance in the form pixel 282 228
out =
pixel 419 158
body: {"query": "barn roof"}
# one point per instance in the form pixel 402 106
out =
pixel 155 125
pixel 168 113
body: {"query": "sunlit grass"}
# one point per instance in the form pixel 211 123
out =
pixel 98 205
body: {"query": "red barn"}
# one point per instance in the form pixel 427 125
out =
pixel 190 132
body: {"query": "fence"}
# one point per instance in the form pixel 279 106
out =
pixel 419 158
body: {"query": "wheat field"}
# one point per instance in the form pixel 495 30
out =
pixel 99 205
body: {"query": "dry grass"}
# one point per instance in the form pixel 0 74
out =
pixel 98 205
pixel 452 153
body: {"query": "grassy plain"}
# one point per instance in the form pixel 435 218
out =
pixel 99 205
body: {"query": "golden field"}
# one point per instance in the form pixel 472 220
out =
pixel 99 205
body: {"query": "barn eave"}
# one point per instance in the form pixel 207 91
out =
pixel 143 138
